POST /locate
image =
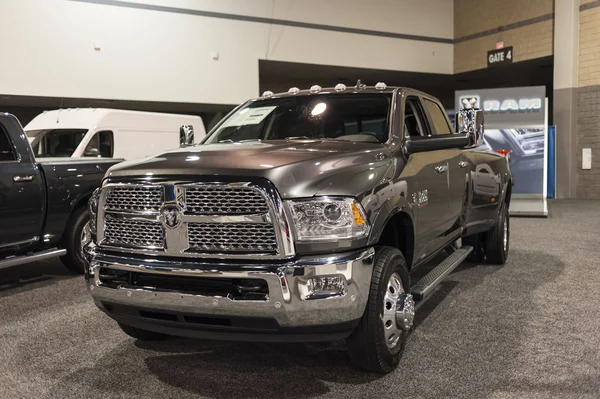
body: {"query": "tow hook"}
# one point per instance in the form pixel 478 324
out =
pixel 405 311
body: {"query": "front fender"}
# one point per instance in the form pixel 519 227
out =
pixel 383 203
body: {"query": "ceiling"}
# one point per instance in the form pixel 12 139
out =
pixel 279 76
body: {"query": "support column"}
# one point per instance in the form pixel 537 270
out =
pixel 566 56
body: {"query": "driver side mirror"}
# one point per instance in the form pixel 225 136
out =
pixel 186 135
pixel 470 121
pixel 92 152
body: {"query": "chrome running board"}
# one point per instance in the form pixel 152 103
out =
pixel 426 285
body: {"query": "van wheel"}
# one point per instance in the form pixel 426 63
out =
pixel 142 335
pixel 77 235
pixel 497 239
pixel 378 342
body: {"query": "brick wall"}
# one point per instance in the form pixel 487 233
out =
pixel 588 101
pixel 475 17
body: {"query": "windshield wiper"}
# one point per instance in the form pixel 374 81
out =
pixel 241 141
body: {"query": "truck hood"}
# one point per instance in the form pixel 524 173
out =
pixel 298 168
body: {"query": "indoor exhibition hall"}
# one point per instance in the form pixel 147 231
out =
pixel 272 199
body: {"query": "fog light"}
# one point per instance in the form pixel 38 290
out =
pixel 320 287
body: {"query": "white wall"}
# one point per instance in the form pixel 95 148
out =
pixel 152 55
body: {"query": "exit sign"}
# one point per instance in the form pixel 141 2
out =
pixel 500 56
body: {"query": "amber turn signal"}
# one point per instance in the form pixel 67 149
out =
pixel 358 218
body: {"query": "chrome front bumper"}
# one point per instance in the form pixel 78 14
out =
pixel 286 302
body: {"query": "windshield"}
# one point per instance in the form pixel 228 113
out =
pixel 354 117
pixel 52 143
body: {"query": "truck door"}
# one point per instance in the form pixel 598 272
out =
pixel 459 165
pixel 429 193
pixel 21 188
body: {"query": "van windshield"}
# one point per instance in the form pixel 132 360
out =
pixel 52 143
pixel 354 117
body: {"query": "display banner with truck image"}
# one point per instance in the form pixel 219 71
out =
pixel 516 120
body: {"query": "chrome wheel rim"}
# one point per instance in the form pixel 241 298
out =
pixel 391 330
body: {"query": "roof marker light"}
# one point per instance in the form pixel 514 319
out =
pixel 340 87
pixel 267 93
pixel 315 89
pixel 380 86
pixel 293 90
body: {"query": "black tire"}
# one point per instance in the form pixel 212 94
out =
pixel 73 260
pixel 478 253
pixel 142 335
pixel 496 248
pixel 366 345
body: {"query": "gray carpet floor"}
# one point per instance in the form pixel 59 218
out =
pixel 530 329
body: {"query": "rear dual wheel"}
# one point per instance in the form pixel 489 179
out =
pixel 492 245
pixel 497 240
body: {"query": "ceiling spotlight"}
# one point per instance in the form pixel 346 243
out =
pixel 318 109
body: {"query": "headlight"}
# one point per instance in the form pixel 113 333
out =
pixel 328 219
pixel 93 210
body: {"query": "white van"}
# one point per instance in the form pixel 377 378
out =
pixel 108 133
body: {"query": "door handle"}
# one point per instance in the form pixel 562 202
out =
pixel 463 164
pixel 22 178
pixel 441 168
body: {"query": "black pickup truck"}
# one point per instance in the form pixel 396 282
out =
pixel 309 215
pixel 43 202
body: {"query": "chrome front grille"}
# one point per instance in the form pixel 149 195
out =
pixel 232 237
pixel 224 200
pixel 134 198
pixel 237 220
pixel 135 233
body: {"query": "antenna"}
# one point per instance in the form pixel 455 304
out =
pixel 360 85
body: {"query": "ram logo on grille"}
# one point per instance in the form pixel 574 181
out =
pixel 170 216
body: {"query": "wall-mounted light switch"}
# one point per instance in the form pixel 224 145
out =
pixel 586 159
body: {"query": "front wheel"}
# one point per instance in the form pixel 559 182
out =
pixel 497 239
pixel 77 235
pixel 378 342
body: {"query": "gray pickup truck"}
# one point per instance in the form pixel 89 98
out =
pixel 43 202
pixel 311 215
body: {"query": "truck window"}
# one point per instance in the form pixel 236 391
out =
pixel 55 142
pixel 355 117
pixel 438 118
pixel 7 152
pixel 413 118
pixel 101 145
